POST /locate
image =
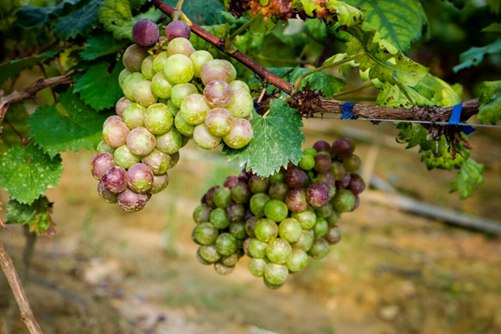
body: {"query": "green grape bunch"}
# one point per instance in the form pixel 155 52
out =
pixel 282 221
pixel 172 93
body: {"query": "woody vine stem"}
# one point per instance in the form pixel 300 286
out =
pixel 309 104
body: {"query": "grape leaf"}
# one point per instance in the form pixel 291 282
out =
pixel 325 83
pixel 55 132
pixel 399 22
pixel 494 5
pixel 78 22
pixel 413 134
pixel 340 13
pixel 37 215
pixel 100 45
pixel 469 178
pixel 27 171
pixel 440 155
pixel 277 140
pixel 31 16
pixel 494 27
pixel 475 56
pixel 116 17
pixel 207 12
pixel 490 102
pixel 98 88
pixel 12 68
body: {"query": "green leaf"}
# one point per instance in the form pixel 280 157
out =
pixel 207 12
pixel 398 21
pixel 341 13
pixel 440 155
pixel 490 102
pixel 475 56
pixel 12 68
pixel 277 140
pixel 413 134
pixel 116 17
pixel 325 83
pixel 469 178
pixel 37 215
pixel 27 171
pixel 78 22
pixel 495 6
pixel 494 27
pixel 99 46
pixel 79 128
pixel 98 88
pixel 31 16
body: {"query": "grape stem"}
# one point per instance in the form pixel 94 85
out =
pixel 31 92
pixel 309 103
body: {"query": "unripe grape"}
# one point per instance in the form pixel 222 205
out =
pixel 317 194
pixel 201 213
pixel 131 83
pixel 258 184
pixel 205 233
pixel 103 147
pixel 319 249
pixel 174 159
pixel 194 109
pixel 157 161
pixel 158 119
pixel 344 201
pixel 322 145
pixel 179 69
pixel 275 274
pixel 145 33
pixel 276 210
pixel 219 218
pixel 140 141
pixel 147 67
pixel 306 218
pixel 222 197
pixel 357 184
pixel 218 69
pixel 323 163
pixel 170 142
pixel 221 269
pixel 278 251
pixel 298 260
pixel 122 76
pixel 310 151
pixel 133 57
pixel 307 162
pixel 101 163
pixel 250 224
pixel 257 248
pixel 238 85
pixel 278 191
pixel 143 94
pixel 238 230
pixel 180 45
pixel 295 199
pixel 230 260
pixel 121 104
pixel 209 253
pixel 105 194
pixel 209 196
pixel 342 147
pixel 241 104
pixel 226 244
pixel 240 193
pixel 266 230
pixel 217 93
pixel 333 235
pixel 295 178
pixel 305 242
pixel 124 157
pixel 334 218
pixel 159 61
pixel 140 178
pixel 257 203
pixel 352 163
pixel 277 177
pixel 290 230
pixel 321 227
pixel 115 133
pixel 240 134
pixel 115 179
pixel 180 92
pixel 236 212
pixel 177 29
pixel 131 201
pixel 160 86
pixel 256 266
pixel 325 211
pixel 199 59
pixel 204 138
pixel 160 182
pixel 133 115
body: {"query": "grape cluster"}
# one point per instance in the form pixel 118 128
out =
pixel 283 220
pixel 172 93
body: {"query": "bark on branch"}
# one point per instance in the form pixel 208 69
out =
pixel 309 104
pixel 17 289
pixel 30 93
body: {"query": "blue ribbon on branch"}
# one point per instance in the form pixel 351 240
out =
pixel 456 117
pixel 347 110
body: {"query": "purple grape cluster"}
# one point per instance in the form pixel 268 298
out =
pixel 172 93
pixel 283 220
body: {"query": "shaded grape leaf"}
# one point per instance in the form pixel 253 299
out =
pixel 31 16
pixel 116 17
pixel 494 27
pixel 399 22
pixel 79 128
pixel 277 140
pixel 78 22
pixel 490 102
pixel 469 178
pixel 475 56
pixel 98 88
pixel 37 215
pixel 101 45
pixel 207 12
pixel 413 134
pixel 12 68
pixel 27 171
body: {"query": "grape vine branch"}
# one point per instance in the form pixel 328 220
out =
pixel 309 103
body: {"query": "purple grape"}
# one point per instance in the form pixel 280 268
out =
pixel 140 141
pixel 101 163
pixel 342 147
pixel 217 93
pixel 115 132
pixel 296 200
pixel 140 178
pixel 333 235
pixel 295 178
pixel 343 182
pixel 133 58
pixel 357 203
pixel 107 195
pixel 209 196
pixel 218 69
pixel 323 163
pixel 317 194
pixel 321 145
pixel 177 29
pixel 337 170
pixel 236 212
pixel 160 182
pixel 230 181
pixel 131 201
pixel 115 179
pixel 250 224
pixel 240 193
pixel 278 191
pixel 121 104
pixel 326 178
pixel 145 33
pixel 258 184
pixel 357 184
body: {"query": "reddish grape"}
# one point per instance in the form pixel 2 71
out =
pixel 101 163
pixel 107 195
pixel 131 201
pixel 115 179
pixel 317 194
pixel 140 178
pixel 342 147
pixel 140 141
pixel 145 33
pixel 115 133
pixel 217 93
pixel 177 29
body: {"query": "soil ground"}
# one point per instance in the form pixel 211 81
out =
pixel 106 271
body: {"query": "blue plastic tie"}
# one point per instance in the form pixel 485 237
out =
pixel 456 117
pixel 347 110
